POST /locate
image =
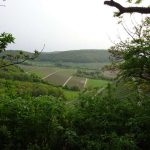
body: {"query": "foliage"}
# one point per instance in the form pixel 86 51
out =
pixel 16 73
pixel 95 73
pixel 5 39
pixel 19 57
pixel 25 89
pixel 136 1
pixel 36 116
pixel 72 88
pixel 33 123
pixel 109 123
pixel 91 123
pixel 77 56
pixel 134 53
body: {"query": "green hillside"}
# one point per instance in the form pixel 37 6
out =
pixel 15 82
pixel 76 56
pixel 15 52
pixel 37 116
pixel 72 56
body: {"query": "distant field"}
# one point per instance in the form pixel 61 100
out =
pixel 91 65
pixel 40 71
pixel 63 77
pixel 28 68
pixel 96 83
pixel 58 78
pixel 44 71
pixel 110 74
pixel 76 81
pixel 97 65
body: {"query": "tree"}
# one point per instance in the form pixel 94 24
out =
pixel 8 59
pixel 134 53
pixel 122 9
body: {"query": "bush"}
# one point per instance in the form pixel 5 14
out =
pixel 108 123
pixel 31 123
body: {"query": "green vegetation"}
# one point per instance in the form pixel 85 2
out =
pixel 76 56
pixel 14 81
pixel 36 115
pixel 97 122
pixel 70 95
pixel 91 83
pixel 134 53
pixel 32 123
pixel 58 76
pixel 111 123
pixel 99 73
pixel 93 65
pixel 9 58
pixel 92 115
pixel 103 115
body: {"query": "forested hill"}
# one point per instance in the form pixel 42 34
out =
pixel 77 56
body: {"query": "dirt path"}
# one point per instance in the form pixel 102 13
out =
pixel 100 91
pixel 50 74
pixel 67 80
pixel 85 82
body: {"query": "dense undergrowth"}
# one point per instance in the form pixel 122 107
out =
pixel 47 122
pixel 36 116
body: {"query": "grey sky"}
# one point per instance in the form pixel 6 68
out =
pixel 60 24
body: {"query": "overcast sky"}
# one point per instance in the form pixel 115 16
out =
pixel 60 24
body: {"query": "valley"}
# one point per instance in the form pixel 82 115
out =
pixel 61 69
pixel 63 77
pixel 72 77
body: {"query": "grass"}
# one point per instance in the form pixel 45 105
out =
pixel 40 71
pixel 28 68
pixel 40 63
pixel 91 83
pixel 70 95
pixel 44 71
pixel 60 77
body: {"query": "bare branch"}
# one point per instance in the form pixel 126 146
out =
pixel 42 49
pixel 122 9
pixel 127 31
pixel 22 61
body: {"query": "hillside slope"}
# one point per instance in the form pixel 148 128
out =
pixel 76 56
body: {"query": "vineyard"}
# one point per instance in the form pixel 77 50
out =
pixel 63 77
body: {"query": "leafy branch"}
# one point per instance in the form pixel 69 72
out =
pixel 8 59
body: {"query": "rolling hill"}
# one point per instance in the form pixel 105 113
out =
pixel 76 56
